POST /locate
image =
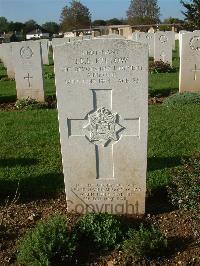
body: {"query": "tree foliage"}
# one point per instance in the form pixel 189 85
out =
pixel 30 25
pixel 143 12
pixel 15 26
pixel 99 22
pixel 3 24
pixel 75 16
pixel 51 27
pixel 192 13
pixel 172 20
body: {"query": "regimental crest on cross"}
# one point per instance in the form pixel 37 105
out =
pixel 103 127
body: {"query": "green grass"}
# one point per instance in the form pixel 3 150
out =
pixel 163 84
pixel 30 152
pixel 30 149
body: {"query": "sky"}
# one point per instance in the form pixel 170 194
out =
pixel 49 10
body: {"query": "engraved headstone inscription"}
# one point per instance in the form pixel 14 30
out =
pixel 189 79
pixel 163 47
pixel 28 70
pixel 102 91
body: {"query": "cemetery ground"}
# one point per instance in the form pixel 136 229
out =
pixel 31 179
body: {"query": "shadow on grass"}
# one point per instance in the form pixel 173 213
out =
pixel 32 188
pixel 8 98
pixel 12 162
pixel 158 163
pixel 158 202
pixel 165 92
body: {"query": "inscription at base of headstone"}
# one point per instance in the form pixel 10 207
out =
pixel 102 98
pixel 189 79
pixel 28 70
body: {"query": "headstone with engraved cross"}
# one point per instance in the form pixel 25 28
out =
pixel 102 92
pixel 189 79
pixel 28 70
pixel 163 44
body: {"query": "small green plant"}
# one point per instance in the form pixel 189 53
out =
pixel 184 190
pixel 99 231
pixel 182 98
pixel 29 104
pixel 49 75
pixel 160 67
pixel 145 243
pixel 49 243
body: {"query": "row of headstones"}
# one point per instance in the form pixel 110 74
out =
pixel 24 59
pixel 102 99
pixel 161 45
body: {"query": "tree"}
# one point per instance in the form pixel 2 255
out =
pixel 51 27
pixel 192 13
pixel 15 26
pixel 171 20
pixel 76 16
pixel 143 12
pixel 114 21
pixel 30 25
pixel 99 22
pixel 3 25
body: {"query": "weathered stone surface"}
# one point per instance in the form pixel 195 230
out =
pixel 189 79
pixel 8 59
pixel 146 38
pixel 112 36
pixel 102 96
pixel 163 47
pixel 28 70
pixel 45 51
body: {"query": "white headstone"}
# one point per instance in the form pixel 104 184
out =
pixel 28 70
pixel 7 59
pixel 163 47
pixel 190 63
pixel 45 51
pixel 146 38
pixel 102 97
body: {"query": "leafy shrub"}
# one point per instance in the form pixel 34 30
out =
pixel 49 76
pixel 99 231
pixel 160 67
pixel 184 190
pixel 182 98
pixel 48 243
pixel 145 243
pixel 5 78
pixel 29 104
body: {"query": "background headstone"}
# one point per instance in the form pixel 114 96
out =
pixel 163 47
pixel 45 51
pixel 146 38
pixel 189 79
pixel 28 70
pixel 102 98
pixel 7 59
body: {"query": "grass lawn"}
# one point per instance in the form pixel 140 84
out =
pixel 30 149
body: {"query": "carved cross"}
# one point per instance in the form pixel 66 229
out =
pixel 104 129
pixel 195 70
pixel 28 79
